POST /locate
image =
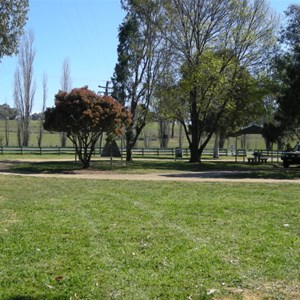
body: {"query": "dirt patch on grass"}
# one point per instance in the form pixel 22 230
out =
pixel 200 176
pixel 273 290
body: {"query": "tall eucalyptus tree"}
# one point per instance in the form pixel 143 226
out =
pixel 141 61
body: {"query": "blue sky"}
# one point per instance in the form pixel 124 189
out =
pixel 85 31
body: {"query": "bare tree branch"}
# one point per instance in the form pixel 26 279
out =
pixel 25 87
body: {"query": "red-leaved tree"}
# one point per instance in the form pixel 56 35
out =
pixel 84 116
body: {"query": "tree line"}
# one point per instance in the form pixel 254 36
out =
pixel 212 66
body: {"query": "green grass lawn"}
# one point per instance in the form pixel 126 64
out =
pixel 89 239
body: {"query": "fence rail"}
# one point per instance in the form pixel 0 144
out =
pixel 136 152
pixel 37 150
pixel 143 152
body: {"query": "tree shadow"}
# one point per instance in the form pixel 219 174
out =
pixel 206 169
pixel 183 165
pixel 45 167
pixel 279 174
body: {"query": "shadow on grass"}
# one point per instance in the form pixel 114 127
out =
pixel 50 167
pixel 206 169
pixel 272 174
pixel 183 165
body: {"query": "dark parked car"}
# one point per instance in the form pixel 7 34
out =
pixel 291 157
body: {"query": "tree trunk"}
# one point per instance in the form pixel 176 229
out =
pixel 128 153
pixel 222 139
pixel 129 144
pixel 194 143
pixel 26 133
pixel 129 147
pixel 19 133
pixel 40 135
pixel 85 163
pixel 163 132
pixel 63 139
pixel 216 145
pixel 194 156
pixel 6 132
pixel 268 145
pixel 180 136
pixel 173 130
pixel 194 153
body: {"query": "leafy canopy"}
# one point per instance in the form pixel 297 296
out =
pixel 13 16
pixel 82 111
pixel 84 116
pixel 287 66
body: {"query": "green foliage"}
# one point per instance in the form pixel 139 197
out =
pixel 272 133
pixel 228 96
pixel 84 116
pixel 290 34
pixel 216 94
pixel 6 112
pixel 287 73
pixel 128 33
pixel 216 62
pixel 139 65
pixel 63 239
pixel 13 16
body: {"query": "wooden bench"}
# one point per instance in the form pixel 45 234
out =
pixel 251 160
pixel 261 159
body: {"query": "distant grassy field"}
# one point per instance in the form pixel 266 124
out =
pixel 89 239
pixel 150 132
pixel 48 138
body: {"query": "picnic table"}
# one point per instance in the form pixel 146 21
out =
pixel 257 158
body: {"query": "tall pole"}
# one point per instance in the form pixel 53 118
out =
pixel 106 88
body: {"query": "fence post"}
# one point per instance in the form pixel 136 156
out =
pixel 21 150
pixel 2 150
pixel 40 150
pixel 158 152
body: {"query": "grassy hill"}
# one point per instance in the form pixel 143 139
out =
pixel 148 138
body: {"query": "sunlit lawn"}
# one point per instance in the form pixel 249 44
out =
pixel 89 239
